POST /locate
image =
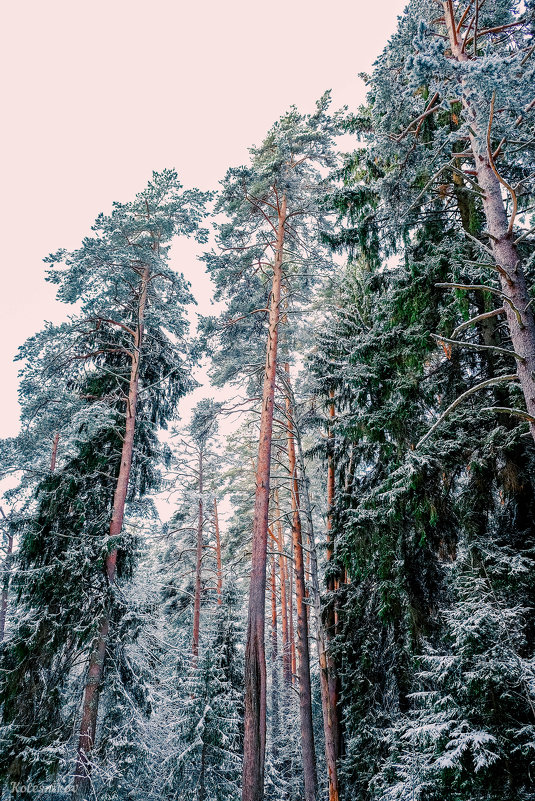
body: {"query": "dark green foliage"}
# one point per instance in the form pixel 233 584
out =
pixel 60 578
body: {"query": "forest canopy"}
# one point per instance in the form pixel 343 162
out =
pixel 341 604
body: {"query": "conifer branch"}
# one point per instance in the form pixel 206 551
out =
pixel 507 410
pixel 478 242
pixel 464 15
pixel 489 382
pixel 485 288
pixel 476 346
pixel 430 109
pixel 237 319
pixel 100 319
pixel 477 319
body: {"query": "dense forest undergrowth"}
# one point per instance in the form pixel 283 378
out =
pixel 342 605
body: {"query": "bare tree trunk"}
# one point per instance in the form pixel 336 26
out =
pixel 293 656
pixel 5 582
pixel 54 452
pixel 513 283
pixel 328 675
pixel 96 662
pixel 198 570
pixel 331 619
pixel 286 656
pixel 305 690
pixel 255 658
pixel 275 727
pixel 218 556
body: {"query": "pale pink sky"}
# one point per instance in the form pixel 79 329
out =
pixel 98 94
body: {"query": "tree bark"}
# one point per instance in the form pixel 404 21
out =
pixel 275 721
pixel 255 658
pixel 218 556
pixel 86 741
pixel 5 582
pixel 328 674
pixel 330 620
pixel 54 452
pixel 513 283
pixel 286 656
pixel 305 690
pixel 198 570
pixel 293 657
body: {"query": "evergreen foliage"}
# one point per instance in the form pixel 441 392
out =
pixel 376 277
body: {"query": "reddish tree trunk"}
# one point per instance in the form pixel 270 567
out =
pixel 286 656
pixel 96 662
pixel 218 556
pixel 275 727
pixel 331 724
pixel 512 277
pixel 54 452
pixel 198 570
pixel 305 691
pixel 329 678
pixel 293 656
pixel 255 658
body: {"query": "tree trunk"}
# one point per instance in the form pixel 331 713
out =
pixel 255 658
pixel 329 682
pixel 198 571
pixel 54 452
pixel 218 556
pixel 88 723
pixel 293 657
pixel 305 690
pixel 286 656
pixel 513 283
pixel 5 582
pixel 331 620
pixel 275 722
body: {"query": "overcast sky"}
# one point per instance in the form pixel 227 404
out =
pixel 98 94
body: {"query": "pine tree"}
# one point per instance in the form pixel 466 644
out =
pixel 271 206
pixel 131 304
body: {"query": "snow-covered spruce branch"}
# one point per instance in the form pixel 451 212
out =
pixel 475 346
pixel 506 410
pixel 479 318
pixel 489 382
pixel 483 288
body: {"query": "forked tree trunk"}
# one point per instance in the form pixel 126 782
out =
pixel 275 725
pixel 255 658
pixel 198 570
pixel 88 725
pixel 286 655
pixel 513 283
pixel 305 690
pixel 218 556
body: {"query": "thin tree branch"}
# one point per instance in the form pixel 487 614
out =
pixel 477 319
pixel 489 382
pixel 475 346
